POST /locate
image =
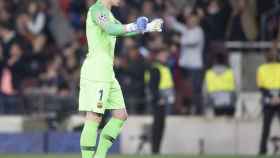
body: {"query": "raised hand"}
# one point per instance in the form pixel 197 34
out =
pixel 155 26
pixel 141 23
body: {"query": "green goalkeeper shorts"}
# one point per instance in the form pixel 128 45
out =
pixel 99 96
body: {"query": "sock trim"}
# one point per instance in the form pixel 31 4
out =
pixel 110 138
pixel 88 148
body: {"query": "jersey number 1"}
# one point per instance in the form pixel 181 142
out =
pixel 101 94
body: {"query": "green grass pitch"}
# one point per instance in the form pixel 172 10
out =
pixel 127 156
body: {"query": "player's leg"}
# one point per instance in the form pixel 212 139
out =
pixel 93 95
pixel 110 132
pixel 113 128
pixel 89 134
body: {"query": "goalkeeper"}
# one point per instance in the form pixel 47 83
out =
pixel 99 89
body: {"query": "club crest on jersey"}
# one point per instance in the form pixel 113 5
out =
pixel 102 18
pixel 99 105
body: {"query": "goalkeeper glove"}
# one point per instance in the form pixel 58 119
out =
pixel 155 26
pixel 139 26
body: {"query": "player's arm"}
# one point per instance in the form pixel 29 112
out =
pixel 175 25
pixel 101 18
pixel 129 33
pixel 154 26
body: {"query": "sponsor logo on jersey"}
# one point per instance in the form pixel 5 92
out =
pixel 99 104
pixel 102 18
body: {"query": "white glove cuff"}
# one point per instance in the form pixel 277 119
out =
pixel 132 27
pixel 149 27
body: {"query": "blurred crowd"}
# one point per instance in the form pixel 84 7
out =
pixel 43 45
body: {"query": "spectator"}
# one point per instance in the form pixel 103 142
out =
pixel 216 20
pixel 12 76
pixel 52 78
pixel 8 36
pixel 147 8
pixel 37 19
pixel 191 56
pixel 76 13
pixel 5 15
pixel 134 81
pixel 243 21
pixel 72 65
pixel 270 23
pixel 36 25
pixel 16 63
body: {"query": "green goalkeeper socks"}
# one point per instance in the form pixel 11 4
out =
pixel 88 139
pixel 107 136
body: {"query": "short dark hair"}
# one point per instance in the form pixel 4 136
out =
pixel 272 55
pixel 221 58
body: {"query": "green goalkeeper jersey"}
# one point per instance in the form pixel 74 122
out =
pixel 102 28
